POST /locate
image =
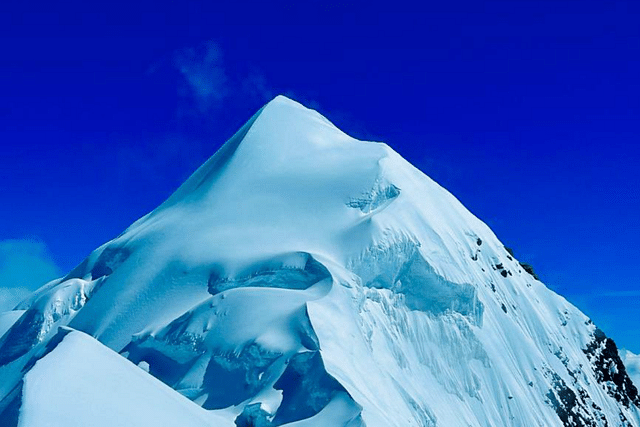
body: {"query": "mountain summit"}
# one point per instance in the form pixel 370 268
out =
pixel 303 278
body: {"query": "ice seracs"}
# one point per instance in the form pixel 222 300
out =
pixel 301 277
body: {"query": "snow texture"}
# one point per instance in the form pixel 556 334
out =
pixel 304 278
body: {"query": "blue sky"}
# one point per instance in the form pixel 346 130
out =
pixel 529 112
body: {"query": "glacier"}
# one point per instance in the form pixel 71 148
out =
pixel 301 277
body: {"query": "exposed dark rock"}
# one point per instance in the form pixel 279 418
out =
pixel 526 267
pixel 609 369
pixel 529 269
pixel 570 408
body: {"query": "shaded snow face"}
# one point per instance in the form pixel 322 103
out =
pixel 305 279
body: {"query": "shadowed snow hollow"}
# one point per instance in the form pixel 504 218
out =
pixel 303 278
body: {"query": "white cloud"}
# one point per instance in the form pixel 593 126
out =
pixel 25 265
pixel 632 363
pixel 204 74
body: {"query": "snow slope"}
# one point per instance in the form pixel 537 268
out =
pixel 302 277
pixel 83 383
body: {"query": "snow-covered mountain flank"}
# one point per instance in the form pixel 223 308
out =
pixel 304 278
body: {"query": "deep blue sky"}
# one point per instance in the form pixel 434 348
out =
pixel 529 112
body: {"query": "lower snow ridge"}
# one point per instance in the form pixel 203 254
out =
pixel 64 389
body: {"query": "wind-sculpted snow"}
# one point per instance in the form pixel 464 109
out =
pixel 291 271
pixel 302 278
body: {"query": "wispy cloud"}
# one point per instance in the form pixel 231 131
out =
pixel 211 95
pixel 204 76
pixel 256 87
pixel 618 294
pixel 207 84
pixel 25 265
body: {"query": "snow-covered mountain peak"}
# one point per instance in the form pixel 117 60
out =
pixel 283 133
pixel 287 180
pixel 301 277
